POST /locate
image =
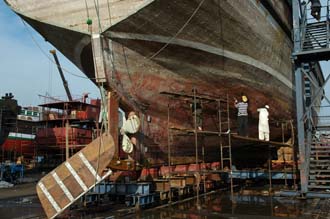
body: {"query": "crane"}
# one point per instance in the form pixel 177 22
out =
pixel 65 83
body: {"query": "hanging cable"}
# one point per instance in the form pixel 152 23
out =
pixel 48 57
pixel 87 11
pixel 109 12
pixel 97 9
pixel 179 31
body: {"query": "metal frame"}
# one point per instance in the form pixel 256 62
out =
pixel 304 112
pixel 195 132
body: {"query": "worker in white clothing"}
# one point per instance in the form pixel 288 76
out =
pixel 263 123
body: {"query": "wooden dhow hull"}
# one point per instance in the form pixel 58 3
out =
pixel 219 47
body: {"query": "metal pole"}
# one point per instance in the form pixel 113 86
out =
pixel 270 169
pixel 195 127
pixel 66 140
pixel 327 23
pixel 285 175
pixel 220 130
pixel 229 147
pixel 296 9
pixel 169 149
pixel 65 82
pixel 196 142
pixel 203 154
pixel 2 148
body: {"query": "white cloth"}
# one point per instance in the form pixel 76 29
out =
pixel 263 120
pixel 127 145
pixel 131 125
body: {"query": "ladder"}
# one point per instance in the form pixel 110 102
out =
pixel 225 138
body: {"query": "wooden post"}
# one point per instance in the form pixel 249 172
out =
pixel 113 119
pixel 66 140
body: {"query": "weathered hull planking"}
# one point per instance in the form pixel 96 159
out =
pixel 219 47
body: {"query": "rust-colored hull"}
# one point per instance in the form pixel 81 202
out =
pixel 23 147
pixel 218 47
pixel 55 138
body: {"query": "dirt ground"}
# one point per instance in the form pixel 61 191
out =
pixel 20 190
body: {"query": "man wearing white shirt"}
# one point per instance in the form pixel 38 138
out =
pixel 263 126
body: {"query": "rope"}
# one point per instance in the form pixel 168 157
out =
pixel 179 31
pixel 86 5
pixel 109 12
pixel 97 9
pixel 48 57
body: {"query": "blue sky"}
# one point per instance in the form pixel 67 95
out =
pixel 26 71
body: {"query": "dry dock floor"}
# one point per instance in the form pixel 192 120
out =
pixel 21 202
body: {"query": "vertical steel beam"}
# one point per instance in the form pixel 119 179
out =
pixel 301 128
pixel 296 25
pixel 300 105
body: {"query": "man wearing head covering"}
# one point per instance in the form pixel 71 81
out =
pixel 263 126
pixel 242 115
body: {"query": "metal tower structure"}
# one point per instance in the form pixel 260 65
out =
pixel 311 37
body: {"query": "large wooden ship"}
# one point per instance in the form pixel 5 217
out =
pixel 148 47
pixel 157 58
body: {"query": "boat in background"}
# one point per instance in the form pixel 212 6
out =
pixel 66 123
pixel 8 113
pixel 18 127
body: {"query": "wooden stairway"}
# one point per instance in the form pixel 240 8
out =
pixel 76 176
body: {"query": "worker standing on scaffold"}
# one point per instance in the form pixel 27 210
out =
pixel 263 125
pixel 242 116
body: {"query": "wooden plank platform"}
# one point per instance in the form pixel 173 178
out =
pixel 260 142
pixel 76 176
